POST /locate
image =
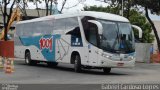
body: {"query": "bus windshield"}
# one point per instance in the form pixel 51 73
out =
pixel 117 37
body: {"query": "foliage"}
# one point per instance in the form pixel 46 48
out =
pixel 153 5
pixel 6 14
pixel 136 18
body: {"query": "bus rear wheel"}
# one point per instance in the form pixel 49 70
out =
pixel 106 70
pixel 77 63
pixel 28 59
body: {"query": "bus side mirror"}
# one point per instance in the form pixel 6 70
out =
pixel 99 25
pixel 139 30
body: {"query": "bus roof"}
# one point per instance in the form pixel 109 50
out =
pixel 99 15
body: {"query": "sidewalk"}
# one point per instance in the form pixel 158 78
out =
pixel 151 66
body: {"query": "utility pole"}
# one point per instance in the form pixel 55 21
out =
pixel 122 7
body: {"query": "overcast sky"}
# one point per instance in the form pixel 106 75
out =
pixel 70 3
pixel 79 6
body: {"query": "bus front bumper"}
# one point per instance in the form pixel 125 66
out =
pixel 117 64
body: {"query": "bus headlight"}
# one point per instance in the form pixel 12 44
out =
pixel 109 57
pixel 106 56
pixel 131 58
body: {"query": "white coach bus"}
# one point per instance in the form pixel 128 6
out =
pixel 86 39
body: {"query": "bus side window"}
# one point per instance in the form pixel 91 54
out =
pixel 28 29
pixel 59 24
pixel 90 30
pixel 72 24
pixel 75 32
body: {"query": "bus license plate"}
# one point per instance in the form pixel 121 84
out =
pixel 120 64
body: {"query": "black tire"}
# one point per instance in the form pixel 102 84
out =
pixel 106 70
pixel 52 64
pixel 77 63
pixel 28 59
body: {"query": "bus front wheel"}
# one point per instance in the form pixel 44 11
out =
pixel 77 63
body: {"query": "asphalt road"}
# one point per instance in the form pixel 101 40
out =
pixel 142 73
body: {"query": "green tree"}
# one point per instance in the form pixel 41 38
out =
pixel 6 14
pixel 154 7
pixel 136 18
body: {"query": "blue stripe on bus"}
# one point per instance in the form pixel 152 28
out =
pixel 47 52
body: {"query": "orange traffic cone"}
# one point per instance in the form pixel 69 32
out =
pixel 12 65
pixel 1 62
pixel 8 67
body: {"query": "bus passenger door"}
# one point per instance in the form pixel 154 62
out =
pixel 91 34
pixel 93 56
pixel 92 38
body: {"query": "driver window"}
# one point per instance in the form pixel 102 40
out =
pixel 92 34
pixel 90 30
